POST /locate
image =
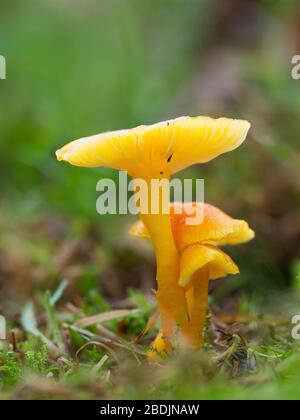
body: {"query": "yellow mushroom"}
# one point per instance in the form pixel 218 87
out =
pixel 156 152
pixel 200 258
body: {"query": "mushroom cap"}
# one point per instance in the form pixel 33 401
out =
pixel 215 228
pixel 162 148
pixel 198 257
pixel 197 243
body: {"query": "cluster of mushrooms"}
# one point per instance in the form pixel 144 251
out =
pixel 187 256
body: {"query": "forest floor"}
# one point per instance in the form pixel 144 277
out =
pixel 57 352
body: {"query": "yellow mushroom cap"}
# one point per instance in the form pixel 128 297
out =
pixel 216 227
pixel 215 262
pixel 165 147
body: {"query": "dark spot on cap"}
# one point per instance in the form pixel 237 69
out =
pixel 169 158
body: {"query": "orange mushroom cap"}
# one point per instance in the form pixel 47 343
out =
pixel 216 227
pixel 199 257
pixel 197 243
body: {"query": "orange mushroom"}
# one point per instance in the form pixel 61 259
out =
pixel 201 259
pixel 156 152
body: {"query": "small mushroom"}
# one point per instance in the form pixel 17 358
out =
pixel 201 259
pixel 156 152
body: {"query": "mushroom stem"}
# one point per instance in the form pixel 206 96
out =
pixel 170 296
pixel 197 302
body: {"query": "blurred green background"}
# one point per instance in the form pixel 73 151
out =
pixel 76 68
